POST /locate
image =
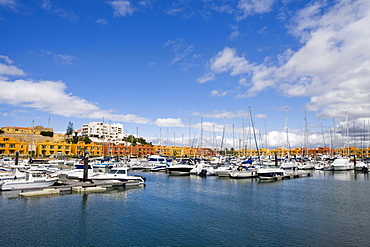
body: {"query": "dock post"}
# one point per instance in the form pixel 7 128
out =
pixel 276 160
pixel 16 158
pixel 86 166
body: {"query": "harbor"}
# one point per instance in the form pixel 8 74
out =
pixel 325 209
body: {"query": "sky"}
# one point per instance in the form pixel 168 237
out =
pixel 208 73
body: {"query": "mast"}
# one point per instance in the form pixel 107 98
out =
pixel 201 137
pixel 305 152
pixel 287 134
pixel 243 139
pixel 254 133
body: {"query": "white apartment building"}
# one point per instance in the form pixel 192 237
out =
pixel 102 132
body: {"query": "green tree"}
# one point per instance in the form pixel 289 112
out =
pixel 69 129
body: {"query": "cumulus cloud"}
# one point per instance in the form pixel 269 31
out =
pixel 169 122
pixel 226 61
pixel 331 67
pixel 121 8
pixel 51 97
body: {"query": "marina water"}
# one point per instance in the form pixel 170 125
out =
pixel 326 209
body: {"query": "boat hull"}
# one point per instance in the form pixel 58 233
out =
pixel 179 171
pixel 243 174
pixel 24 185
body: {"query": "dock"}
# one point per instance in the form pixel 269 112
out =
pixel 287 176
pixel 73 186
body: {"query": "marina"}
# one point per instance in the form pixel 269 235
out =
pixel 327 208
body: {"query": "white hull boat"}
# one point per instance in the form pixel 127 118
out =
pixel 342 164
pixel 117 175
pixel 223 171
pixel 244 172
pixel 270 173
pixel 361 166
pixel 182 168
pixel 29 182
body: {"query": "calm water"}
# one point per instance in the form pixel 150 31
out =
pixel 328 209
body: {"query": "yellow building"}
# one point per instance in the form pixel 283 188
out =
pixel 93 148
pixel 8 146
pixel 25 130
pixel 47 148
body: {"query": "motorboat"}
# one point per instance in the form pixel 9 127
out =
pixel 117 175
pixel 289 165
pixel 203 169
pixel 29 182
pixel 223 171
pixel 160 168
pixel 154 161
pixel 270 173
pixel 244 172
pixel 342 164
pixel 182 168
pixel 308 165
pixel 16 174
pixel 78 172
pixel 361 166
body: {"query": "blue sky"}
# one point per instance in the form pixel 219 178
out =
pixel 167 68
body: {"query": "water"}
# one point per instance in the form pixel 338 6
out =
pixel 327 209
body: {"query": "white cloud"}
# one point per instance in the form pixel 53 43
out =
pixel 235 33
pixel 223 114
pixel 102 21
pixel 66 14
pixel 121 7
pixel 226 61
pixel 169 122
pixel 8 4
pixel 183 53
pixel 251 7
pixel 51 97
pixel 66 59
pixel 217 93
pixel 332 66
pixel 8 69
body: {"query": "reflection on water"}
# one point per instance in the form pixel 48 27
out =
pixel 342 175
pixel 326 209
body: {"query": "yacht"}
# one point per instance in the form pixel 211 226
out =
pixel 29 182
pixel 342 164
pixel 117 175
pixel 224 171
pixel 182 168
pixel 270 173
pixel 244 172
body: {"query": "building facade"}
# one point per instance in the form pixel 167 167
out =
pixel 102 132
pixel 9 146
